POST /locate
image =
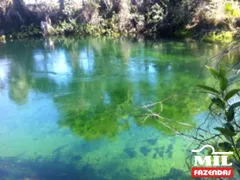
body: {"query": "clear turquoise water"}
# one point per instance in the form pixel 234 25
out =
pixel 72 109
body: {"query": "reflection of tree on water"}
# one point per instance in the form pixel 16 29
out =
pixel 97 85
pixel 98 105
pixel 49 44
pixel 95 110
pixel 3 75
pixel 19 85
pixel 1 85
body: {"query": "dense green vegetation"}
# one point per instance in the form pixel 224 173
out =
pixel 210 20
pixel 223 129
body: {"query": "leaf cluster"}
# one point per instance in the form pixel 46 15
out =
pixel 220 96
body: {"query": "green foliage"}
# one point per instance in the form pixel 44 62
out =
pixel 209 89
pixel 225 146
pixel 65 27
pixel 150 18
pixel 219 36
pixel 229 127
pixel 183 33
pixel 231 10
pixel 231 93
pixel 107 27
pixel 155 13
pixel 27 31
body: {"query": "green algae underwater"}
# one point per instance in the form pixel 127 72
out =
pixel 73 108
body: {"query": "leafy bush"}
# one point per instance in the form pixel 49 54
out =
pixel 219 36
pixel 232 10
pixel 27 31
pixel 155 14
pixel 65 27
pixel 228 127
pixel 111 18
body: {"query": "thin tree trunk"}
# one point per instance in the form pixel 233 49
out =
pixel 21 10
pixel 19 6
pixel 61 5
pixel 124 13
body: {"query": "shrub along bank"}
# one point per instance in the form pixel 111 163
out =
pixel 210 20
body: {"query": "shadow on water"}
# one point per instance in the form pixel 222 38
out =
pixel 175 174
pixel 13 169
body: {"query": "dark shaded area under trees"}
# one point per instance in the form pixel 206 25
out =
pixel 153 18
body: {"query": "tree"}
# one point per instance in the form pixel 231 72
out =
pixel 61 5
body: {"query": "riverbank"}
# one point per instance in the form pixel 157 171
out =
pixel 214 21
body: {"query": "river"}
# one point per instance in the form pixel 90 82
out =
pixel 73 108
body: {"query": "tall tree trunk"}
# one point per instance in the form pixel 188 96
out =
pixel 19 6
pixel 124 13
pixel 61 5
pixel 21 10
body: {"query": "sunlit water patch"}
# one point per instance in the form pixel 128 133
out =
pixel 74 110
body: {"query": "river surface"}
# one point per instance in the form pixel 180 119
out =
pixel 73 109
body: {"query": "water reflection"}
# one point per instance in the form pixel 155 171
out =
pixel 95 88
pixel 97 82
pixel 49 44
pixel 4 70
